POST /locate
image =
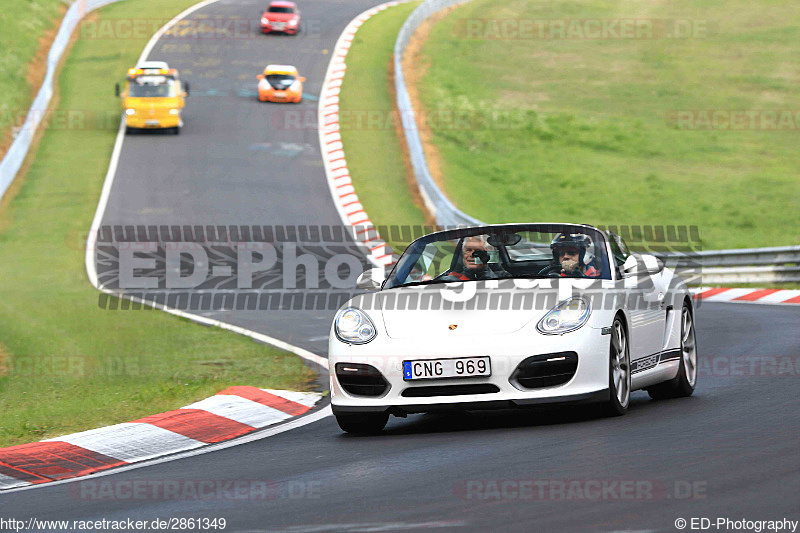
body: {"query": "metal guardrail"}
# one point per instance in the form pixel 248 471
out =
pixel 777 255
pixel 778 264
pixel 436 201
pixel 16 154
pixel 756 265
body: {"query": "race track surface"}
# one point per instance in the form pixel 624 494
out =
pixel 728 451
pixel 731 450
pixel 238 161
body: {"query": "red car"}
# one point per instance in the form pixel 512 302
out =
pixel 281 16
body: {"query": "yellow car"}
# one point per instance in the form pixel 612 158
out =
pixel 153 97
pixel 280 83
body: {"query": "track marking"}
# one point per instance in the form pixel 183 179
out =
pixel 251 437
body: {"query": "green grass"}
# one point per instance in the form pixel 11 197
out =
pixel 22 24
pixel 593 143
pixel 373 149
pixel 65 364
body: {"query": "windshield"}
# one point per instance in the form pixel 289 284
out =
pixel 501 252
pixel 279 9
pixel 280 82
pixel 152 86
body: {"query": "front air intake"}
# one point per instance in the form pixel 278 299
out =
pixel 545 370
pixel 428 391
pixel 361 380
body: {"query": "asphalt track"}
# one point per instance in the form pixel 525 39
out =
pixel 237 161
pixel 731 450
pixel 728 451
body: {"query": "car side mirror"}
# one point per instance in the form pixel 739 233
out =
pixel 260 77
pixel 302 79
pixel 186 89
pixel 641 265
pixel 116 89
pixel 370 280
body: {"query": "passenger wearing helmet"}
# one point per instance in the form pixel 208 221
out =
pixel 569 251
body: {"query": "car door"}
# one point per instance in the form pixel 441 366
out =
pixel 645 306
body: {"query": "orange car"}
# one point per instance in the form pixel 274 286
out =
pixel 280 83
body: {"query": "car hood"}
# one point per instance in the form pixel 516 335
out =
pixel 430 312
pixel 279 17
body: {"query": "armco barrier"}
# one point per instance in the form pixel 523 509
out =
pixel 750 265
pixel 13 159
pixel 438 204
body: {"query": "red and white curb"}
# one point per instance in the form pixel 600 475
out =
pixel 344 194
pixel 234 412
pixel 750 296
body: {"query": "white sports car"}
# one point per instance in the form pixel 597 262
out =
pixel 504 316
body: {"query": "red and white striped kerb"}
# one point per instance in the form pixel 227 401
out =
pixel 344 194
pixel 753 296
pixel 231 413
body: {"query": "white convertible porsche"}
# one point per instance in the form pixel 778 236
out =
pixel 511 315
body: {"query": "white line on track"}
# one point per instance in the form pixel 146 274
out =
pixel 91 272
pixel 244 439
pixel 91 240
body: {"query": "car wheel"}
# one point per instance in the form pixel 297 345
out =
pixel 619 370
pixel 363 423
pixel 684 383
pixel 176 130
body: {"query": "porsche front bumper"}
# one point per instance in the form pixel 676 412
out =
pixel 498 391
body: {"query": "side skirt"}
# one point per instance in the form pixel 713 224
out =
pixel 655 368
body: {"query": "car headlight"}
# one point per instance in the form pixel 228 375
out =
pixel 567 316
pixel 264 20
pixel 295 86
pixel 174 111
pixel 354 326
pixel 293 22
pixel 130 112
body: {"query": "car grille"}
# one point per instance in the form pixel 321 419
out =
pixel 545 370
pixel 449 390
pixel 361 380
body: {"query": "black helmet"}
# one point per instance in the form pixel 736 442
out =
pixel 579 241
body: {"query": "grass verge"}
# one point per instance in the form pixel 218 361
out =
pixel 368 124
pixel 26 31
pixel 65 364
pixel 585 129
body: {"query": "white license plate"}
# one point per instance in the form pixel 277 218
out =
pixel 278 25
pixel 462 367
pixel 152 123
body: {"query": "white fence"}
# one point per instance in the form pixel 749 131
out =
pixel 16 154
